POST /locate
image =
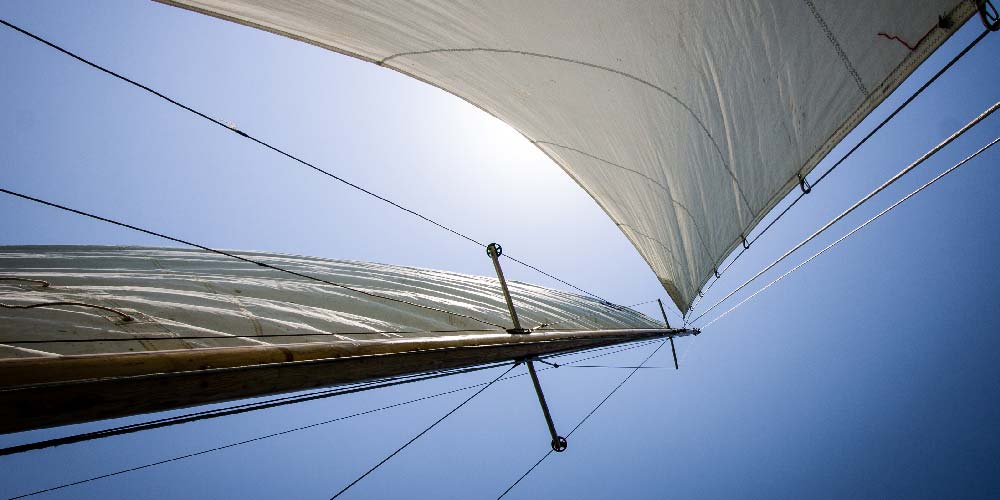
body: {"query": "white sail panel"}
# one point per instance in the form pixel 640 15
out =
pixel 175 294
pixel 686 121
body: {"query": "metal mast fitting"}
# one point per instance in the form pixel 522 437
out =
pixel 495 251
pixel 559 443
pixel 671 337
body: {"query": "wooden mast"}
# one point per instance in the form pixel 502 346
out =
pixel 61 390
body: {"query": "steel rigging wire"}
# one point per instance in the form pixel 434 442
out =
pixel 856 229
pixel 284 153
pixel 860 202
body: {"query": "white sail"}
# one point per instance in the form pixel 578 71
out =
pixel 686 121
pixel 176 294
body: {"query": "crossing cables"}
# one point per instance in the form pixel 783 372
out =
pixel 585 418
pixel 241 258
pixel 747 244
pixel 282 152
pixel 857 204
pixel 425 431
pixel 858 228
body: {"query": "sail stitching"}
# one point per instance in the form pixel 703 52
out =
pixel 836 45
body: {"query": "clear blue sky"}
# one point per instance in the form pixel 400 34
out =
pixel 871 373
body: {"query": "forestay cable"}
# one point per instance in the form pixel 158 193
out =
pixel 860 202
pixel 244 259
pixel 282 152
pixel 856 229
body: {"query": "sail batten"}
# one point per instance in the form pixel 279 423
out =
pixel 685 121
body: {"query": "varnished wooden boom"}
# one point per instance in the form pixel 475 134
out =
pixel 47 392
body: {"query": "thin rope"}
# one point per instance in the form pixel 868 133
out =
pixel 40 283
pixel 856 229
pixel 282 152
pixel 244 259
pixel 425 431
pixel 618 367
pixel 613 391
pixel 860 202
pixel 123 316
pixel 863 140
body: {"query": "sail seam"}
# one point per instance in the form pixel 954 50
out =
pixel 836 46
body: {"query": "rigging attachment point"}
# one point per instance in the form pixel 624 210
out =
pixel 743 238
pixel 804 184
pixel 494 248
pixel 988 14
pixel 559 444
